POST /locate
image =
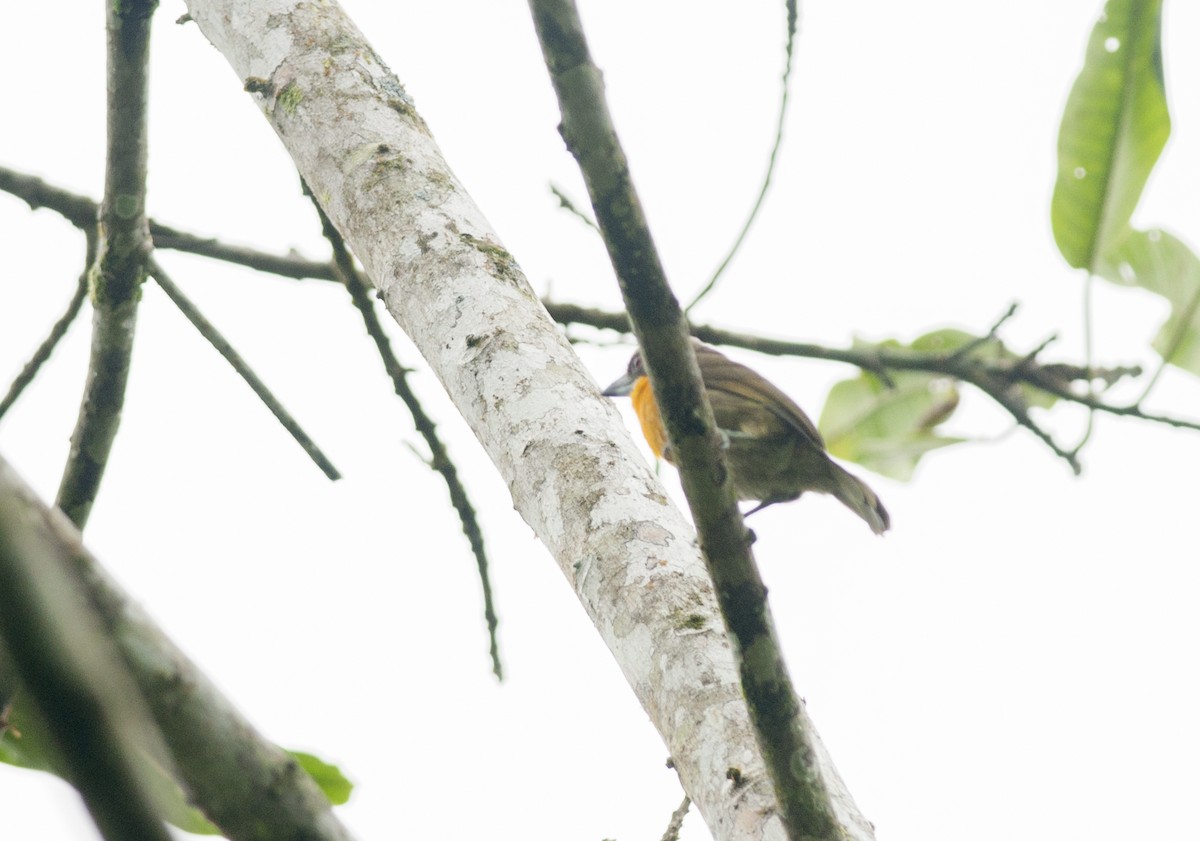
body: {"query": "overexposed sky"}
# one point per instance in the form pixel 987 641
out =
pixel 1015 659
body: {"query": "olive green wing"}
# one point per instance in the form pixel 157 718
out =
pixel 737 392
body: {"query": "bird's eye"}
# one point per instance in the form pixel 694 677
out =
pixel 635 364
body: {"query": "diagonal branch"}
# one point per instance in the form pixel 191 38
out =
pixel 210 332
pixel 46 348
pixel 97 720
pixel 439 460
pixel 783 733
pixel 250 788
pixel 573 472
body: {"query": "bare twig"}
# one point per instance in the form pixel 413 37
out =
pixel 974 345
pixel 42 354
pixel 990 374
pixel 439 459
pixel 120 267
pixel 284 265
pixel 676 822
pixel 994 376
pixel 80 211
pixel 210 332
pixel 569 206
pixel 792 17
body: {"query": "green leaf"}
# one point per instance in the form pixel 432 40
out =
pixel 1114 126
pixel 888 429
pixel 26 743
pixel 329 777
pixel 950 340
pixel 1161 263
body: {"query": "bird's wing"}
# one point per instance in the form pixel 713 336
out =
pixel 726 379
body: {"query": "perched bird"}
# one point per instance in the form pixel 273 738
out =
pixel 775 453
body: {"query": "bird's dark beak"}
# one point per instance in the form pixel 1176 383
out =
pixel 622 387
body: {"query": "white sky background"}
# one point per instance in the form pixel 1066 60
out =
pixel 1016 659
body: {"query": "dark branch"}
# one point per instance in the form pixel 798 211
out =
pixel 786 744
pixel 120 267
pixel 995 375
pixel 210 332
pixel 990 375
pixel 250 788
pixel 364 301
pixel 566 204
pixel 42 354
pixel 792 16
pixel 97 720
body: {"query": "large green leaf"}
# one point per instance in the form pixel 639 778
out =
pixel 1159 262
pixel 888 429
pixel 1114 127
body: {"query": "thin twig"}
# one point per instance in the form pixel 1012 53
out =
pixel 569 206
pixel 1088 356
pixel 46 348
pixel 209 332
pixel 974 345
pixel 993 376
pixel 676 822
pixel 792 17
pixel 80 211
pixel 1052 378
pixel 439 460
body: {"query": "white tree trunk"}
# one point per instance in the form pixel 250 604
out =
pixel 570 465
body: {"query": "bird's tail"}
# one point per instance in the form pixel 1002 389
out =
pixel 855 495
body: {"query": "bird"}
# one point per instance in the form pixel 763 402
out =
pixel 773 450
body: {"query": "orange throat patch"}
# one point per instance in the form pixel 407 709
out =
pixel 648 415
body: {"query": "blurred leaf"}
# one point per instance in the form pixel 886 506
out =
pixel 950 340
pixel 329 777
pixel 888 429
pixel 1114 127
pixel 26 744
pixel 1159 262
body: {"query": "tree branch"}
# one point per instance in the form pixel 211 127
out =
pixel 792 16
pixel 210 332
pixel 97 719
pixel 994 375
pixel 439 458
pixel 247 786
pixel 575 476
pixel 121 264
pixel 782 732
pixel 990 375
pixel 46 348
